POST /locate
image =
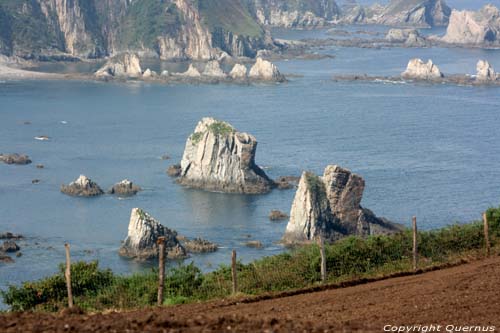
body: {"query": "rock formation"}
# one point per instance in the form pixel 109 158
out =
pixel 410 37
pixel 82 187
pixel 10 235
pixel 148 73
pixel 330 207
pixel 212 69
pixel 192 72
pixel 276 215
pixel 174 170
pixel 124 65
pixel 9 246
pixel 198 245
pixel 219 158
pixel 264 70
pixel 480 28
pixel 142 239
pixel 485 72
pixel 239 72
pixel 419 70
pixel 15 159
pixel 125 188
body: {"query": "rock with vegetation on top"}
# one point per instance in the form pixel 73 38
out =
pixel 143 235
pixel 264 70
pixel 276 215
pixel 9 246
pixel 419 70
pixel 219 158
pixel 199 245
pixel 15 159
pixel 212 69
pixel 330 207
pixel 418 13
pixel 123 65
pixel 239 72
pixel 125 188
pixel 474 28
pixel 82 187
pixel 485 72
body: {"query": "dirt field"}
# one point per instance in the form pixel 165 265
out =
pixel 467 295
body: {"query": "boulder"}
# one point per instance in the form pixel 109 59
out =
pixel 474 27
pixel 123 65
pixel 10 235
pixel 212 69
pixel 82 187
pixel 286 182
pixel 174 170
pixel 264 70
pixel 9 246
pixel 148 74
pixel 143 235
pixel 125 188
pixel 410 37
pixel 165 73
pixel 5 259
pixel 199 245
pixel 192 72
pixel 485 72
pixel 239 72
pixel 15 159
pixel 276 215
pixel 330 207
pixel 419 70
pixel 219 158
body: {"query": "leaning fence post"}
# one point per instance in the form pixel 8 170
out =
pixel 161 278
pixel 67 274
pixel 234 273
pixel 486 234
pixel 415 245
pixel 323 258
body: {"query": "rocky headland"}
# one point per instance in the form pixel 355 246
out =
pixel 142 240
pixel 219 158
pixel 329 206
pixel 82 187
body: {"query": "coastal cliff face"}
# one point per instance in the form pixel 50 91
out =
pixel 474 28
pixel 219 158
pixel 330 207
pixel 169 29
pixel 294 13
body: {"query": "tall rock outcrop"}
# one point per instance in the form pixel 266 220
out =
pixel 294 13
pixel 82 187
pixel 485 72
pixel 212 69
pixel 419 70
pixel 219 158
pixel 264 70
pixel 480 28
pixel 124 65
pixel 330 206
pixel 143 235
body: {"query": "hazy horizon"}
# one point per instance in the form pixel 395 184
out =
pixel 458 4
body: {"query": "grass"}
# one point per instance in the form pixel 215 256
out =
pixel 348 259
pixel 220 128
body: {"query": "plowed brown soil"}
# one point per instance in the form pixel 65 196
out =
pixel 466 295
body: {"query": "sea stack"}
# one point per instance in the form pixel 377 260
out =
pixel 125 188
pixel 330 207
pixel 419 70
pixel 219 158
pixel 142 239
pixel 264 70
pixel 82 187
pixel 485 72
pixel 123 65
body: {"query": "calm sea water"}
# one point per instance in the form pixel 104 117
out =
pixel 426 150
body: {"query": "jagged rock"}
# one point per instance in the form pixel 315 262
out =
pixel 425 13
pixel 410 37
pixel 10 235
pixel 125 188
pixel 123 65
pixel 9 246
pixel 212 69
pixel 286 182
pixel 276 215
pixel 474 28
pixel 82 187
pixel 485 72
pixel 199 245
pixel 149 74
pixel 419 70
pixel 265 71
pixel 174 170
pixel 142 239
pixel 15 159
pixel 330 207
pixel 219 158
pixel 239 72
pixel 192 72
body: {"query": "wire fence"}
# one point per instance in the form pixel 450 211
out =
pixel 84 285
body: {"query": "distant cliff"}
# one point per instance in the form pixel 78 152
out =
pixel 170 29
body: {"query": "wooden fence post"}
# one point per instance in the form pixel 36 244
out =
pixel 67 274
pixel 415 245
pixel 161 273
pixel 323 258
pixel 486 234
pixel 234 272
